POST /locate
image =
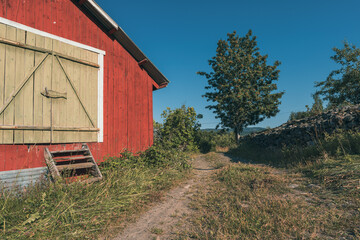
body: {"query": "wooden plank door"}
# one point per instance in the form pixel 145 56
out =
pixel 77 114
pixel 48 90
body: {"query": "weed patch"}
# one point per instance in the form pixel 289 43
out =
pixel 78 211
pixel 340 144
pixel 254 202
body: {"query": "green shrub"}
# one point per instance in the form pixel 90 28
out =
pixel 179 129
pixel 159 156
pixel 341 143
pixel 209 140
pixel 316 108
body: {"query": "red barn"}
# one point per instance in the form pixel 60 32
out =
pixel 69 75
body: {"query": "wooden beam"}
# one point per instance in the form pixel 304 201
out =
pixel 112 31
pixel 75 91
pixel 43 50
pixel 59 129
pixel 18 89
pixel 155 84
pixel 142 62
pixel 163 85
pixel 51 165
pixel 81 2
pixel 75 166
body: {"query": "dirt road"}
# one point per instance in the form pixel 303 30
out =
pixel 161 221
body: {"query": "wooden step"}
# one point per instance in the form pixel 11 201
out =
pixel 75 166
pixel 69 152
pixel 76 160
pixel 70 159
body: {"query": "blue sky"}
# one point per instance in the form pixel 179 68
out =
pixel 180 36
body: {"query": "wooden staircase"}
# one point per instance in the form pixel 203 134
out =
pixel 73 164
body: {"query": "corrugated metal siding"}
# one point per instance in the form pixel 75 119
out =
pixel 21 178
pixel 127 88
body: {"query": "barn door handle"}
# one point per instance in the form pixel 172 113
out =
pixel 53 94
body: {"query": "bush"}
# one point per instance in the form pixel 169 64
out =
pixel 208 141
pixel 316 108
pixel 158 156
pixel 341 143
pixel 179 129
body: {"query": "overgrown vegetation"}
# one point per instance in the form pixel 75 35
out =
pixel 256 202
pixel 315 109
pixel 316 195
pixel 339 144
pixel 212 141
pixel 78 211
pixel 131 182
pixel 179 129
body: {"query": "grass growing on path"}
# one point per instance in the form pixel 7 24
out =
pixel 78 211
pixel 313 201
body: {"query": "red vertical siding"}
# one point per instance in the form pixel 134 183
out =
pixel 128 119
pixel 150 112
pixel 3 4
pixel 124 106
pixel 130 104
pixel 110 106
pixel 39 14
pixel 46 16
pixel 137 114
pixel 29 12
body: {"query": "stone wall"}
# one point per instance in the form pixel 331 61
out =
pixel 308 130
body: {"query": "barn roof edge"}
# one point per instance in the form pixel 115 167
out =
pixel 120 35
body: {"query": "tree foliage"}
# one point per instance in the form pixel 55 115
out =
pixel 343 85
pixel 316 108
pixel 241 84
pixel 180 128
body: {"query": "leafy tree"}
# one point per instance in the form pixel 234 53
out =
pixel 241 83
pixel 343 85
pixel 180 128
pixel 316 108
pixel 157 131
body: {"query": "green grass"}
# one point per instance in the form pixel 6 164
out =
pixel 300 193
pixel 212 158
pixel 78 211
pixel 157 231
pixel 249 202
pixel 336 145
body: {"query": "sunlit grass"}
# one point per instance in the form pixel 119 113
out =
pixel 296 193
pixel 248 202
pixel 78 211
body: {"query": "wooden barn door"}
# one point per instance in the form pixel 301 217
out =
pixel 48 90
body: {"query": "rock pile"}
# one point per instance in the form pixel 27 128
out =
pixel 308 130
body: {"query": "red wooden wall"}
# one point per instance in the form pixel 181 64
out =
pixel 128 120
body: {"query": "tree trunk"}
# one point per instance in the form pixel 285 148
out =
pixel 237 135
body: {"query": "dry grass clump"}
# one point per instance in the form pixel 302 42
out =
pixel 78 211
pixel 260 202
